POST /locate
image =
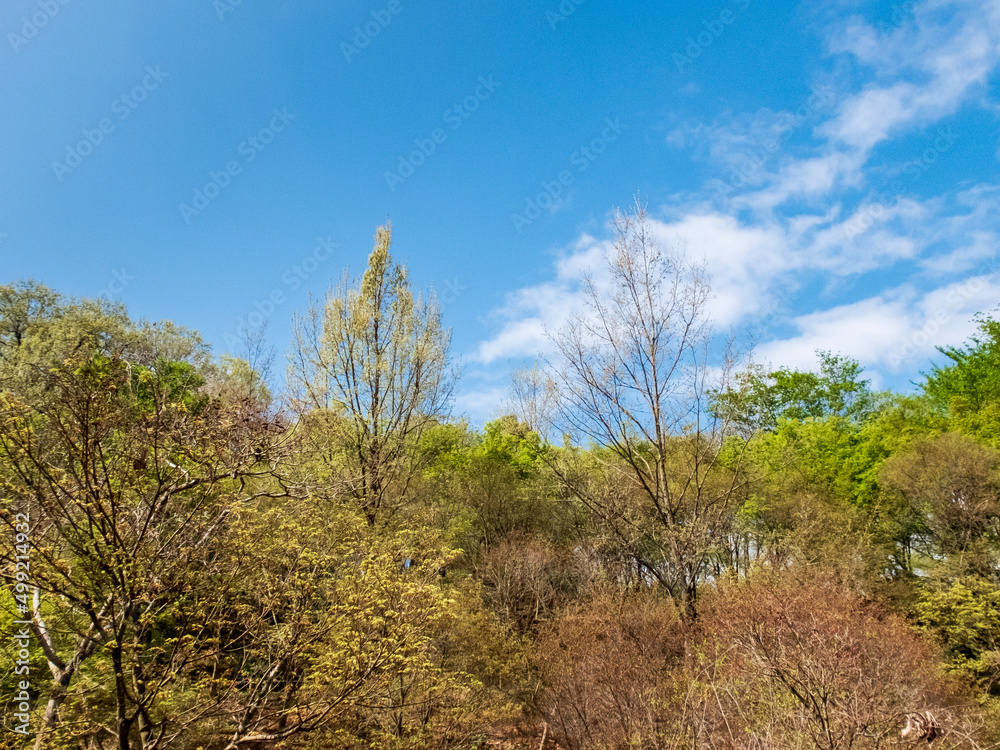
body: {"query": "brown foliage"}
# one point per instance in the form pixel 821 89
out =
pixel 807 663
pixel 771 664
pixel 609 668
pixel 526 578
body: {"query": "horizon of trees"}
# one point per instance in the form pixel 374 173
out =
pixel 647 550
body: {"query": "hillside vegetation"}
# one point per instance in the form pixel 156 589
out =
pixel 659 545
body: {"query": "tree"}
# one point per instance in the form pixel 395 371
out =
pixel 497 485
pixel 611 671
pixel 369 368
pixel 964 616
pixel 973 373
pixel 533 398
pixel 760 398
pixel 127 473
pixel 22 306
pixel 952 484
pixel 328 638
pixel 968 389
pixel 634 375
pixel 801 661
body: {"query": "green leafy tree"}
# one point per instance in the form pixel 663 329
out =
pixel 370 370
pixel 337 634
pixel 759 399
pixel 486 487
pixel 964 617
pixel 968 388
pixel 127 472
pixel 22 307
pixel 951 483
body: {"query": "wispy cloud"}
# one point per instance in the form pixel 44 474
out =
pixel 893 271
pixel 891 332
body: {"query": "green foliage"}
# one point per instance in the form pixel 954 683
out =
pixel 366 572
pixel 445 448
pixel 972 380
pixel 950 484
pixel 372 362
pixel 361 617
pixel 489 486
pixel 13 671
pixel 964 617
pixel 23 307
pixel 761 399
pixel 508 442
pixel 967 390
pixel 235 379
pixel 174 383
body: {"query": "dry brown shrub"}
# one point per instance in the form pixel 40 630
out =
pixel 610 669
pixel 774 663
pixel 525 579
pixel 806 663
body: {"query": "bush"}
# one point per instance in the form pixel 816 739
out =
pixel 609 669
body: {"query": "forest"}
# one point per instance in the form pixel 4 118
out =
pixel 658 542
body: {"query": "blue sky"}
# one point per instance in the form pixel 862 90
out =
pixel 835 164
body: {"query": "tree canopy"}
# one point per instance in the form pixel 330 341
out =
pixel 646 547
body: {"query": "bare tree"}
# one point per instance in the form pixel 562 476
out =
pixel 533 398
pixel 801 661
pixel 635 376
pixel 612 674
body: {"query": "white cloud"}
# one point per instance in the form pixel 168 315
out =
pixel 981 247
pixel 892 331
pixel 923 71
pixel 481 404
pixel 865 330
pixel 950 48
pixel 743 262
pixel 519 338
pixel 808 178
pixel 754 266
pixel 930 252
pixel 529 313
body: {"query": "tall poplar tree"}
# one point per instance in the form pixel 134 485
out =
pixel 370 370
